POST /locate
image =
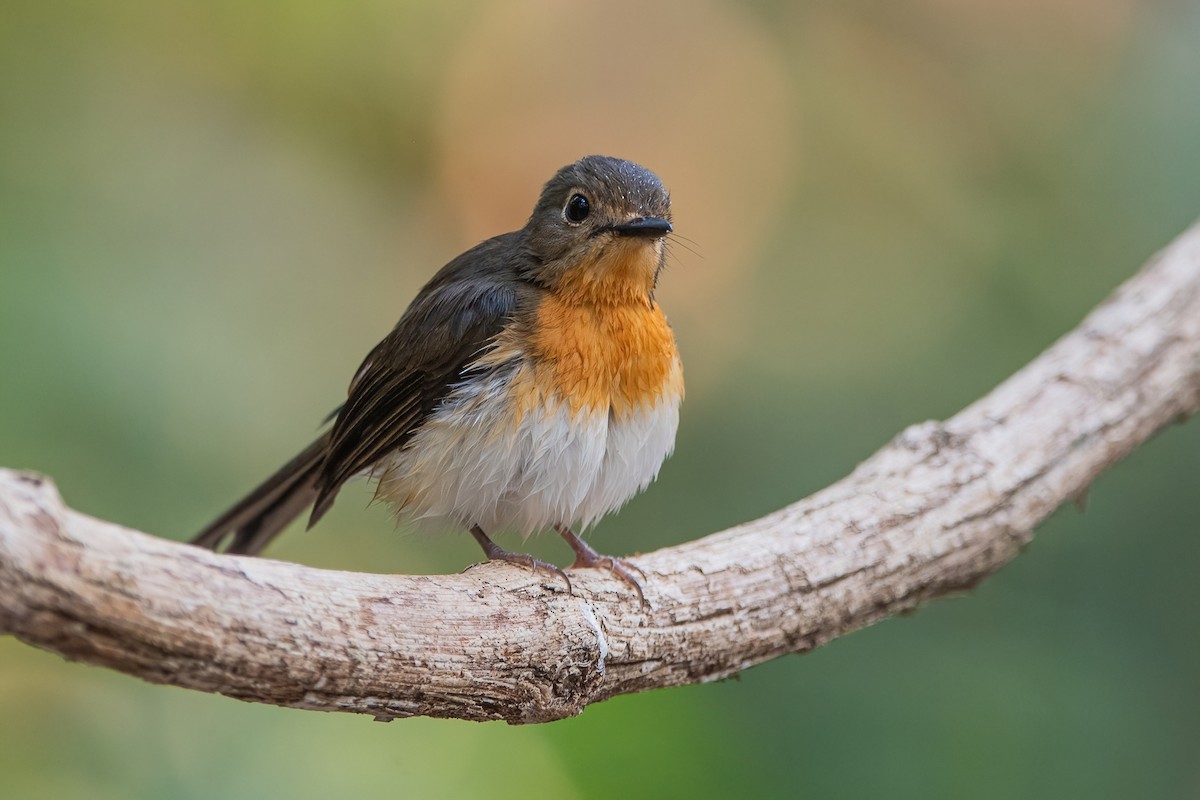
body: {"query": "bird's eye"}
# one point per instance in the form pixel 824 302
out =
pixel 577 209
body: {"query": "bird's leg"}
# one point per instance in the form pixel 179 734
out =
pixel 495 552
pixel 585 556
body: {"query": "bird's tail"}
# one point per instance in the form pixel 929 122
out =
pixel 258 517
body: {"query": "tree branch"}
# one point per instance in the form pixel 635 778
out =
pixel 934 512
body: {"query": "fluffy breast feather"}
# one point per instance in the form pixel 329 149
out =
pixel 560 424
pixel 622 358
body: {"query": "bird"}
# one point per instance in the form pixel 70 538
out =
pixel 533 383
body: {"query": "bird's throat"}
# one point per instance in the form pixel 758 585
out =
pixel 622 273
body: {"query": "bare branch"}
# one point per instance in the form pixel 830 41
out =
pixel 935 511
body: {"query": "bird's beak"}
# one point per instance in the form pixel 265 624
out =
pixel 648 227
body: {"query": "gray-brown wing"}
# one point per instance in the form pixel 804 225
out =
pixel 404 378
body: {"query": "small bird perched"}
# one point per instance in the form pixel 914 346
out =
pixel 534 382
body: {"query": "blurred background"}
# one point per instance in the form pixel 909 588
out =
pixel 209 212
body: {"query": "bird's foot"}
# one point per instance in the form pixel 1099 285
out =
pixel 495 552
pixel 588 558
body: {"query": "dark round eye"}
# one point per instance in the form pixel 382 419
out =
pixel 577 209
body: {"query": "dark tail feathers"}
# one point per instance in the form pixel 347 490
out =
pixel 259 517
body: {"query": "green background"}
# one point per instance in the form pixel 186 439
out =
pixel 209 212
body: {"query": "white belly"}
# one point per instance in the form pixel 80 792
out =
pixel 477 461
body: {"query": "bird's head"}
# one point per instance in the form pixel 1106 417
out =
pixel 598 231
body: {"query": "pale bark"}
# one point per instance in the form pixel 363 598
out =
pixel 935 511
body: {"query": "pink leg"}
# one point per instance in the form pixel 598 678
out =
pixel 585 557
pixel 495 552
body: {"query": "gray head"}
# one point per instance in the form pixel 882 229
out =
pixel 596 211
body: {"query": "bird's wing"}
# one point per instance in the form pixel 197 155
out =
pixel 402 380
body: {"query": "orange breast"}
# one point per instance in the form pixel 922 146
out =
pixel 620 357
pixel 595 341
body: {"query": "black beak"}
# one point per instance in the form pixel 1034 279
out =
pixel 648 227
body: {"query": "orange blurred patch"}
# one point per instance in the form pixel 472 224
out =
pixel 696 91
